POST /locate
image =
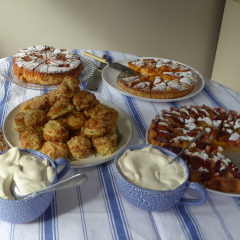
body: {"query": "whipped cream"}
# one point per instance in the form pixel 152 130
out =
pixel 29 173
pixel 149 168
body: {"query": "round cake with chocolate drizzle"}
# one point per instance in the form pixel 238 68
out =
pixel 45 65
pixel 175 128
pixel 158 79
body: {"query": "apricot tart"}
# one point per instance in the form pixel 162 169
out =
pixel 174 128
pixel 158 79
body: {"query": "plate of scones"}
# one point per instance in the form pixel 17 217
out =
pixel 43 66
pixel 71 123
pixel 213 159
pixel 156 79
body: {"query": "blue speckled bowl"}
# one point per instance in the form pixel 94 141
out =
pixel 153 200
pixel 26 210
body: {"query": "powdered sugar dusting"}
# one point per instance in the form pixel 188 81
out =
pixel 234 137
pixel 130 80
pixel 46 59
pixel 160 87
pixel 143 86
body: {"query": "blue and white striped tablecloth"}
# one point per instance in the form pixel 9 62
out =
pixel 97 211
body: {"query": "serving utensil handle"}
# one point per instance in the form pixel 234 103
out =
pixel 192 141
pixel 94 57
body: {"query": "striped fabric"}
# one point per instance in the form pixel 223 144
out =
pixel 97 211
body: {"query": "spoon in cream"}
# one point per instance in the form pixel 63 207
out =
pixel 73 181
pixel 192 141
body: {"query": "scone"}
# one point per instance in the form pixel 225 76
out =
pixel 100 111
pixel 80 147
pixel 84 100
pixel 55 131
pixel 31 139
pixel 94 127
pixel 35 119
pixel 68 87
pixel 36 103
pixel 55 150
pixel 111 126
pixel 74 120
pixel 60 108
pixel 105 144
pixel 18 122
pixel 64 118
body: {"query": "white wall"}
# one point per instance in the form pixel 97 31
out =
pixel 227 62
pixel 182 30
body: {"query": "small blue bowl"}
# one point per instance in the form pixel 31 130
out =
pixel 156 200
pixel 26 210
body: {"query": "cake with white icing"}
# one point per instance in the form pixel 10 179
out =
pixel 166 79
pixel 45 65
pixel 175 128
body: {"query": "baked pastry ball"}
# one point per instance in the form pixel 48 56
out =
pixel 74 120
pixel 113 114
pixel 55 131
pixel 18 122
pixel 79 147
pixel 102 112
pixel 31 139
pixel 94 127
pixel 105 144
pixel 36 103
pixel 35 118
pixel 68 87
pixel 77 133
pixel 60 108
pixel 84 100
pixel 53 96
pixel 111 126
pixel 55 150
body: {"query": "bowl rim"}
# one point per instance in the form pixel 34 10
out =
pixel 141 146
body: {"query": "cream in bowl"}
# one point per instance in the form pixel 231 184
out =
pixel 145 178
pixel 13 166
pixel 149 168
pixel 24 169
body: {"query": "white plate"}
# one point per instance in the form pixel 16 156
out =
pixel 109 75
pixel 233 156
pixel 223 194
pixel 6 72
pixel 124 127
